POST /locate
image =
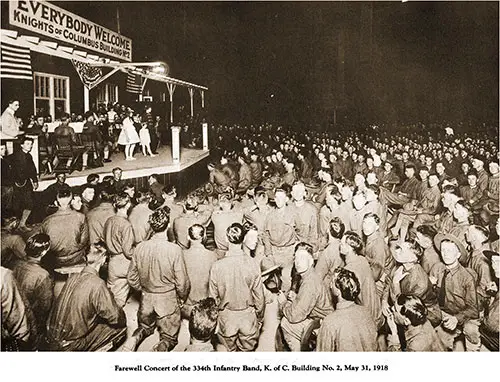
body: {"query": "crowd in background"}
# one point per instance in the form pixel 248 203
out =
pixel 349 240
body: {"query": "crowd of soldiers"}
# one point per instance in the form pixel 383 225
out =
pixel 328 241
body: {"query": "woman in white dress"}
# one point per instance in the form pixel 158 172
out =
pixel 128 136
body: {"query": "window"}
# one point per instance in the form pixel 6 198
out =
pixel 51 95
pixel 107 94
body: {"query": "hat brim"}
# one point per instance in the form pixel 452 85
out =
pixel 490 254
pixel 440 237
pixel 270 270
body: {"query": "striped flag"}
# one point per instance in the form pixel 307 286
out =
pixel 134 83
pixel 15 62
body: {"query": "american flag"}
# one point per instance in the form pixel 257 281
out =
pixel 15 62
pixel 89 74
pixel 134 83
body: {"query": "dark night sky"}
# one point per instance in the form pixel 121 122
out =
pixel 424 53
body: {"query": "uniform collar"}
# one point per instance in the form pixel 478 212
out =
pixel 373 237
pixel 158 236
pixel 413 331
pixel 236 252
pixel 344 304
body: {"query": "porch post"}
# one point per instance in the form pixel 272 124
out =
pixel 191 95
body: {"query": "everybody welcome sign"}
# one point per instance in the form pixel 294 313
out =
pixel 46 19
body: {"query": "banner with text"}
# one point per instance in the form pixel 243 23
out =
pixel 46 19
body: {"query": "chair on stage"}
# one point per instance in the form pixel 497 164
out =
pixel 67 154
pixel 90 148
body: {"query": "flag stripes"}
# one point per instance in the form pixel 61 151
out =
pixel 134 83
pixel 15 62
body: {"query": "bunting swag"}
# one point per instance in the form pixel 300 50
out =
pixel 15 62
pixel 89 75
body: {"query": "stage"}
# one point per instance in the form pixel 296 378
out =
pixel 138 170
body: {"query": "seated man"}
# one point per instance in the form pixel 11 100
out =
pixel 65 130
pixel 219 181
pixel 411 313
pixel 423 212
pixel 490 326
pixel 202 324
pixel 193 214
pixel 457 296
pixel 312 300
pixel 491 205
pixel 85 316
pixel 425 238
pixel 245 175
pixel 350 327
pixel 407 191
pixel 444 222
pixel 94 141
pixel 477 237
pixel 409 278
pixel 387 178
pixel 12 244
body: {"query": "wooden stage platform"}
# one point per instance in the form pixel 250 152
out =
pixel 192 163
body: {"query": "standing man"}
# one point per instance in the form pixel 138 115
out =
pixel 280 236
pixel 312 301
pixel 306 216
pixel 36 285
pixel 157 269
pixel 350 327
pixel 97 216
pixel 119 239
pixel 139 216
pixel 351 247
pixel 329 259
pixel 155 186
pixel 25 179
pixel 117 179
pixel 376 250
pixel 199 261
pixel 7 185
pixel 222 219
pixel 152 127
pixel 68 232
pixel 236 285
pixel 10 126
pixel 15 324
